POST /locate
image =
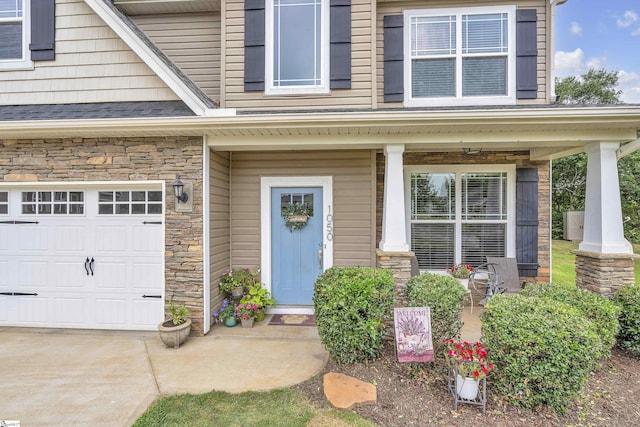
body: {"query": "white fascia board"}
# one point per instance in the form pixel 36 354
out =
pixel 619 122
pixel 149 58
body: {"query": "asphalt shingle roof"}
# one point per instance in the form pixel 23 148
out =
pixel 100 110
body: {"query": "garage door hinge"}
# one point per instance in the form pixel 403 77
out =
pixel 19 222
pixel 152 222
pixel 151 296
pixel 18 294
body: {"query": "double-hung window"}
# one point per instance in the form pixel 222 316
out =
pixel 297 46
pixel 459 56
pixel 460 214
pixel 14 33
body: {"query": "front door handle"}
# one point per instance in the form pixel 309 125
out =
pixel 320 254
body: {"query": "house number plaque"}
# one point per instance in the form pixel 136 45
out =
pixel 329 225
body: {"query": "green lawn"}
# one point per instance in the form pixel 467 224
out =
pixel 276 408
pixel 563 261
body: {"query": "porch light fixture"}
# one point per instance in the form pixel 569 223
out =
pixel 469 151
pixel 178 190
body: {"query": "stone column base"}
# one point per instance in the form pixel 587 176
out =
pixel 602 273
pixel 400 265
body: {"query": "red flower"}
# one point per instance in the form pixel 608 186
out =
pixel 476 374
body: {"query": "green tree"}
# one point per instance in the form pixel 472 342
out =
pixel 593 87
pixel 569 173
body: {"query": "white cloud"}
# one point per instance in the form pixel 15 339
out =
pixel 629 84
pixel 575 29
pixel 570 63
pixel 628 19
pixel 574 63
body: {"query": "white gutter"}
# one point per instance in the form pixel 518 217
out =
pixel 612 116
pixel 552 42
pixel 157 66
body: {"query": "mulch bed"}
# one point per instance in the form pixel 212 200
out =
pixel 410 396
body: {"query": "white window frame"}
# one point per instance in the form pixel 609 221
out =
pixel 509 169
pixel 25 62
pixel 510 98
pixel 270 89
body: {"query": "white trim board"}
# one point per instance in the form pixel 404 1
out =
pixel 266 184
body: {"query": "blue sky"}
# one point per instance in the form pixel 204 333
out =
pixel 600 34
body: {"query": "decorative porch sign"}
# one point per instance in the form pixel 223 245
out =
pixel 413 334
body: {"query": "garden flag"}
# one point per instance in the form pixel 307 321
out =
pixel 413 334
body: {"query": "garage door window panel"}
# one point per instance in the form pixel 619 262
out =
pixel 52 203
pixel 4 203
pixel 130 202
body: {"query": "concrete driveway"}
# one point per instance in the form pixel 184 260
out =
pixel 104 378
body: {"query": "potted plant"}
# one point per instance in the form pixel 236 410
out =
pixel 175 331
pixel 226 314
pixel 461 272
pixel 469 363
pixel 236 281
pixel 260 296
pixel 247 313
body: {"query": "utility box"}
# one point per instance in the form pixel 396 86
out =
pixel 573 225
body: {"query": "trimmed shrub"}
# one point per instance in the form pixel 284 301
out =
pixel 628 299
pixel 602 312
pixel 543 350
pixel 350 306
pixel 444 295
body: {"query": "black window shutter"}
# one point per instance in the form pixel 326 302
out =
pixel 254 45
pixel 527 221
pixel 340 44
pixel 526 54
pixel 393 58
pixel 43 30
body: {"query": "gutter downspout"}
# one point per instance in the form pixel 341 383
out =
pixel 552 47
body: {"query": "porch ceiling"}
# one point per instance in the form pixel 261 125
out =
pixel 547 132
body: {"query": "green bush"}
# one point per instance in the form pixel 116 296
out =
pixel 628 299
pixel 444 295
pixel 543 350
pixel 350 306
pixel 602 312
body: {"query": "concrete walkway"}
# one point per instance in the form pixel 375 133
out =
pixel 105 378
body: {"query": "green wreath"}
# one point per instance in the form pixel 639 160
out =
pixel 295 215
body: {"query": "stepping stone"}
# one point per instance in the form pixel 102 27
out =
pixel 345 392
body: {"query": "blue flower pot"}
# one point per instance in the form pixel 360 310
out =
pixel 230 322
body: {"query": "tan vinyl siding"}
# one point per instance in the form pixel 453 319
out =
pixel 397 8
pixel 353 200
pixel 359 96
pixel 220 237
pixel 92 65
pixel 192 42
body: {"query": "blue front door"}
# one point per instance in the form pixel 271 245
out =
pixel 296 252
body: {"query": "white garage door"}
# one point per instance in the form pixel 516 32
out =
pixel 81 258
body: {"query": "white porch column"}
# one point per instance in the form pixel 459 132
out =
pixel 603 230
pixel 394 235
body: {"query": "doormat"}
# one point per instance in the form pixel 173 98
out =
pixel 293 320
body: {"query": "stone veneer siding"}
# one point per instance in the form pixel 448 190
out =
pixel 129 159
pixel 604 274
pixel 519 158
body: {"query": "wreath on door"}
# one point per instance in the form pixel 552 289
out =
pixel 296 215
